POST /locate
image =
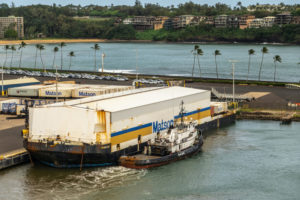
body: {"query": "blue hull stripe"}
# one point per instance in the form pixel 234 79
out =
pixel 193 112
pixel 131 129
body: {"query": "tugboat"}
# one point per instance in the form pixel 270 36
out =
pixel 178 142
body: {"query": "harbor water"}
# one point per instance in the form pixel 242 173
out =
pixel 167 59
pixel 247 160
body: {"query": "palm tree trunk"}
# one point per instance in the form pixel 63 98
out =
pixel 216 67
pixel 248 67
pixel 42 61
pixel 193 66
pixel 95 61
pixel 20 58
pixel 61 58
pixel 70 62
pixel 199 65
pixel 262 59
pixel 12 56
pixel 275 71
pixel 5 58
pixel 35 58
pixel 53 61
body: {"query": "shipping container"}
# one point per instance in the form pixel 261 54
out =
pixel 64 91
pixel 26 91
pixel 120 118
pixel 98 90
pixel 8 106
pixel 18 83
pixel 20 110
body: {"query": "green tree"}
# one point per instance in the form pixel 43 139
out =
pixel 71 54
pixel 96 47
pixel 12 48
pixel 276 59
pixel 264 50
pixel 22 45
pixel 194 52
pixel 55 49
pixel 217 53
pixel 199 53
pixel 41 48
pixel 37 47
pixel 250 53
pixel 10 33
pixel 62 44
pixel 6 48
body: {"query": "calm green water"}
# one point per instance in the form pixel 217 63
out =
pixel 248 160
pixel 169 59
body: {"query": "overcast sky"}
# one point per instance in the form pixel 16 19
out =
pixel 131 2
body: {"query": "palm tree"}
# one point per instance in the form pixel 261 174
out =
pixel 71 54
pixel 194 52
pixel 217 53
pixel 6 48
pixel 41 48
pixel 62 44
pixel 250 52
pixel 276 58
pixel 199 53
pixel 22 45
pixel 96 47
pixel 54 50
pixel 37 47
pixel 13 48
pixel 264 50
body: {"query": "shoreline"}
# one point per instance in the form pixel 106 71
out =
pixel 94 40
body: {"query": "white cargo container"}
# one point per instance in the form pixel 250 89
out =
pixel 20 109
pixel 98 90
pixel 26 91
pixel 219 107
pixel 64 91
pixel 118 119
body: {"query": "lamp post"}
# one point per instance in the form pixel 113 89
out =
pixel 56 77
pixel 136 65
pixel 103 55
pixel 2 91
pixel 233 88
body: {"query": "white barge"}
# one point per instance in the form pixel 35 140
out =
pixel 96 131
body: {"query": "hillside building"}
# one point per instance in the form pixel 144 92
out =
pixel 244 21
pixel 12 22
pixel 283 18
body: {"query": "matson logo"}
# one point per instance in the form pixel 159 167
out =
pixel 51 93
pixel 89 94
pixel 159 126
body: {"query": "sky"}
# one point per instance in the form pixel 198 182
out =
pixel 131 2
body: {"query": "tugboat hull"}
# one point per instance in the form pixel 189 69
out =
pixel 141 161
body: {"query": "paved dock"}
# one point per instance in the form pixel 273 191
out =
pixel 11 142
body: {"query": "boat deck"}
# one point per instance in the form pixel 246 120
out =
pixel 144 157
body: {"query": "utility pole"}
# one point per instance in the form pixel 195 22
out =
pixel 136 67
pixel 2 91
pixel 233 88
pixel 103 55
pixel 56 85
